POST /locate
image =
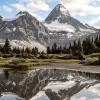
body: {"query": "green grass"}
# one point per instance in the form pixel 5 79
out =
pixel 63 61
pixel 92 59
pixel 24 63
pixel 61 56
pixel 94 55
pixel 21 63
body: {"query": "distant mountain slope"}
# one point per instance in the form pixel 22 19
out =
pixel 63 27
pixel 24 30
pixel 62 16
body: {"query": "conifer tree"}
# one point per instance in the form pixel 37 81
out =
pixel 74 48
pixel 80 47
pixel 60 50
pixel 27 50
pixel 54 48
pixel 7 47
pixel 97 41
pixel 93 46
pixel 64 50
pixel 48 50
pixel 86 46
pixel 35 51
pixel 70 49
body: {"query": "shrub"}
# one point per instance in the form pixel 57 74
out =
pixel 91 61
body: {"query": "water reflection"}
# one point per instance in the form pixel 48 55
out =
pixel 6 72
pixel 47 84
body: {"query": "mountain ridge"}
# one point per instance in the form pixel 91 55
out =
pixel 64 28
pixel 24 30
pixel 24 27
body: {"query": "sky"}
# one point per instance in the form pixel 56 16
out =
pixel 86 11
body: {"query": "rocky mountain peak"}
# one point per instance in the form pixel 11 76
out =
pixel 62 9
pixel 58 13
pixel 22 13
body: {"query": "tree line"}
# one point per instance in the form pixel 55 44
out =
pixel 87 46
pixel 6 49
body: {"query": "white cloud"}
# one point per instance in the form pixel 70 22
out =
pixel 32 6
pixel 81 7
pixel 84 8
pixel 95 22
pixel 39 8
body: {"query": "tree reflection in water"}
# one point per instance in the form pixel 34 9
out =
pixel 6 74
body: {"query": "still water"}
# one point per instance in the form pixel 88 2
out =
pixel 48 84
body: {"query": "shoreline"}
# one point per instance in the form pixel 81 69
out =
pixel 71 66
pixel 25 64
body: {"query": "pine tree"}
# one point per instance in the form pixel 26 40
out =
pixel 97 41
pixel 75 48
pixel 15 50
pixel 60 50
pixel 48 50
pixel 54 48
pixel 7 47
pixel 70 49
pixel 18 51
pixel 35 51
pixel 93 46
pixel 80 47
pixel 64 51
pixel 86 46
pixel 27 51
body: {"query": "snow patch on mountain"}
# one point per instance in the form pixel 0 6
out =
pixel 9 19
pixel 14 29
pixel 30 44
pixel 87 30
pixel 56 26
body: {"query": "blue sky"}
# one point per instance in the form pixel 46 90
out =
pixel 87 11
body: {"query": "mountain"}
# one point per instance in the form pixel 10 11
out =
pixel 59 27
pixel 63 27
pixel 24 30
pixel 60 15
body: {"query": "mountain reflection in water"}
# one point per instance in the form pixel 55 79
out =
pixel 49 84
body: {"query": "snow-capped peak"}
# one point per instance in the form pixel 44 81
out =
pixel 58 13
pixel 62 9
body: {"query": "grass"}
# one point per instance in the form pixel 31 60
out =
pixel 21 63
pixel 63 61
pixel 94 55
pixel 60 56
pixel 92 59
